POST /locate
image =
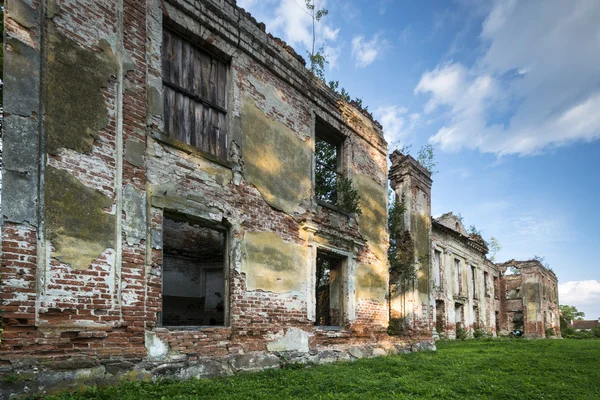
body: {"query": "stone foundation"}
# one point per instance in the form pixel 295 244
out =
pixel 78 373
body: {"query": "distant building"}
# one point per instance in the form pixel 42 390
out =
pixel 585 325
pixel 458 288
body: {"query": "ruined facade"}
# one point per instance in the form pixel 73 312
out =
pixel 530 298
pixel 458 290
pixel 465 282
pixel 159 207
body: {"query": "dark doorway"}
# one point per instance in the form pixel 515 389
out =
pixel 328 289
pixel 440 316
pixel 497 323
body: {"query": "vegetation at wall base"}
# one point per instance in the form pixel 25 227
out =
pixel 472 369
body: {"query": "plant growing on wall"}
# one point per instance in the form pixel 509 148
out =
pixel 426 158
pixel 317 59
pixel 401 256
pixel 494 247
pixel 348 197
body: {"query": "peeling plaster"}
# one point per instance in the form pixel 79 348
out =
pixel 276 161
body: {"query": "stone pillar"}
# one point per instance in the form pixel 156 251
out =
pixel 412 303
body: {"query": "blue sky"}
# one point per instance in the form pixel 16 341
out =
pixel 507 92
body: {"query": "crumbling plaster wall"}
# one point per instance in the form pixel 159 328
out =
pixel 82 256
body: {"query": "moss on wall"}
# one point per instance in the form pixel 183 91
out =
pixel 276 161
pixel 76 222
pixel 75 105
pixel 272 265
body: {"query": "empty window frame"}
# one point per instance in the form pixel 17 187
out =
pixel 194 273
pixel 328 289
pixel 474 281
pixel 328 163
pixel 457 276
pixel 195 95
pixel 437 260
pixel 486 289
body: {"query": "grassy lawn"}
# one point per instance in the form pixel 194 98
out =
pixel 504 369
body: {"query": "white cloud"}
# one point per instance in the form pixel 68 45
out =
pixel 291 21
pixel 332 54
pixel 536 85
pixel 294 22
pixel 585 295
pixel 366 51
pixel 397 124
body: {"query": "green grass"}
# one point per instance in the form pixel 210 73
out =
pixel 499 369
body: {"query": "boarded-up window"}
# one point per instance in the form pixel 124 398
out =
pixel 195 95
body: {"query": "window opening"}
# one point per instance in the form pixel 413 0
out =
pixel 458 317
pixel 437 259
pixel 474 281
pixel 440 316
pixel 193 274
pixel 485 283
pixel 456 276
pixel 195 95
pixel 497 318
pixel 328 171
pixel 518 321
pixel 328 290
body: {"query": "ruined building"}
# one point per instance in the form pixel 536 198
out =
pixel 529 298
pixel 177 199
pixel 161 207
pixel 458 289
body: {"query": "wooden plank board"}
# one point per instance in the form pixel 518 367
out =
pixel 214 75
pixel 167 51
pixel 222 85
pixel 209 137
pixel 187 123
pixel 222 129
pixel 215 133
pixel 176 61
pixel 169 96
pixel 198 122
pixel 197 72
pixel 205 76
pixel 187 67
pixel 178 116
